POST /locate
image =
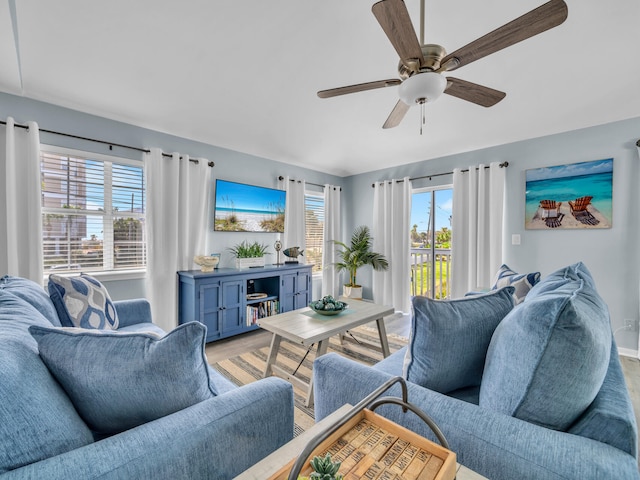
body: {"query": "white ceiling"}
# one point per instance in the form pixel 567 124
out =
pixel 244 74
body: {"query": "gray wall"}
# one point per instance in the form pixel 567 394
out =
pixel 229 165
pixel 611 255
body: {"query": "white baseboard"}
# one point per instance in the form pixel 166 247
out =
pixel 627 352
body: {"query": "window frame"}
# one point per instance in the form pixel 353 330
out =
pixel 107 182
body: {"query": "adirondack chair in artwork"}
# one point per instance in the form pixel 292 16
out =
pixel 550 208
pixel 580 204
pixel 551 213
pixel 581 213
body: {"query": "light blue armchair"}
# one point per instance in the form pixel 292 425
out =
pixel 551 402
pixel 43 436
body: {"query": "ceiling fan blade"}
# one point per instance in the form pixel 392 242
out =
pixel 393 17
pixel 539 20
pixel 396 115
pixel 472 92
pixel 360 87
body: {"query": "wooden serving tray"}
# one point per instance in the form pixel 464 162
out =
pixel 373 448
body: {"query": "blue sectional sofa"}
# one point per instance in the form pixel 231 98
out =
pixel 42 434
pixel 534 391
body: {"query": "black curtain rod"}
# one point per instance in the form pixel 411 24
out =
pixel 111 144
pixel 281 178
pixel 502 165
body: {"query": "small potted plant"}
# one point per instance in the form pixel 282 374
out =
pixel 324 469
pixel 356 255
pixel 249 254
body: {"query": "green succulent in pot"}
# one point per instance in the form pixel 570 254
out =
pixel 325 469
pixel 249 250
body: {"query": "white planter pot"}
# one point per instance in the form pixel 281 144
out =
pixel 250 262
pixel 353 292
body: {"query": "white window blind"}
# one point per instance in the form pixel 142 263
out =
pixel 314 212
pixel 93 212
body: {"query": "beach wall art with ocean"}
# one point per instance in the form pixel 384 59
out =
pixel 248 208
pixel 571 196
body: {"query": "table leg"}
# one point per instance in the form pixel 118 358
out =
pixel 322 349
pixel 382 333
pixel 273 353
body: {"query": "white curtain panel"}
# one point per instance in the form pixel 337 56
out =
pixel 294 216
pixel 21 212
pixel 476 244
pixel 391 218
pixel 331 231
pixel 638 147
pixel 177 220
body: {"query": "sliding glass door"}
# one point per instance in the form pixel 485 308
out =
pixel 431 242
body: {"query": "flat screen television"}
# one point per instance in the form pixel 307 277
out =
pixel 248 208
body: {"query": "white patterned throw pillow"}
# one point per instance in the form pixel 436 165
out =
pixel 82 302
pixel 522 282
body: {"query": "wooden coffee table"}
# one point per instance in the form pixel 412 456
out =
pixel 305 327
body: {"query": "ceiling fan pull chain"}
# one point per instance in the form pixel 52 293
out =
pixel 424 119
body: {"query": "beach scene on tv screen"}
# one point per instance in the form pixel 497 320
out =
pixel 248 208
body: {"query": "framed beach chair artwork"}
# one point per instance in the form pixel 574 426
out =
pixel 572 196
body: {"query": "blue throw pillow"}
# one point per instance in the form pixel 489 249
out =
pixel 449 339
pixel 118 381
pixel 32 293
pixel 548 358
pixel 82 302
pixel 522 282
pixel 560 278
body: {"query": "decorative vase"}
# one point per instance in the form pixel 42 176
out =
pixel 207 264
pixel 250 262
pixel 353 292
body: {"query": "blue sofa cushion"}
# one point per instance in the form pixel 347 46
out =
pixel 610 417
pixel 118 381
pixel 449 339
pixel 37 419
pixel 151 328
pixel 32 293
pixel 559 278
pixel 522 282
pixel 548 358
pixel 82 302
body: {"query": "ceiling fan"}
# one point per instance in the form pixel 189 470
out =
pixel 422 66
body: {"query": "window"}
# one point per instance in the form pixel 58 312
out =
pixel 314 216
pixel 430 234
pixel 93 212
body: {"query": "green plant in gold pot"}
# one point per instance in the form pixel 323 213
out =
pixel 355 255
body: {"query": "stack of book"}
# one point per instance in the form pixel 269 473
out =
pixel 261 310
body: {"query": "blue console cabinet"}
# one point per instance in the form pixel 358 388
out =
pixel 230 300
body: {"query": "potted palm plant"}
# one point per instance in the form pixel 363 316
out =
pixel 358 254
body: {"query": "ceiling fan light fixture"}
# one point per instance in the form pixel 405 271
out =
pixel 422 87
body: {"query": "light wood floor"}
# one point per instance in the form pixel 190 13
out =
pixel 248 342
pixel 631 369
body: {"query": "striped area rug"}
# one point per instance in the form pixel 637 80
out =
pixel 249 367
